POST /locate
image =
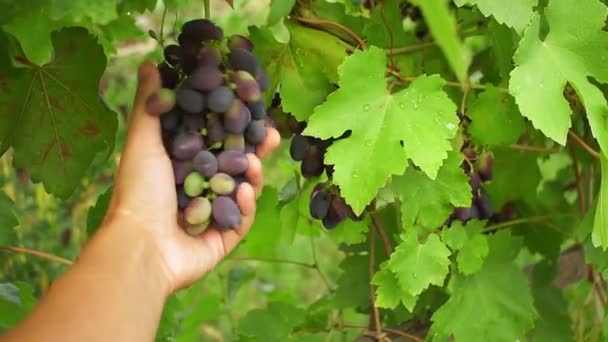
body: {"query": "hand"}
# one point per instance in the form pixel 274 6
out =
pixel 144 196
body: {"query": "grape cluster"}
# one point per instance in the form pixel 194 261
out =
pixel 326 204
pixel 212 115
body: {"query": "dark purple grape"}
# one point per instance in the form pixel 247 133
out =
pixel 462 214
pixel 194 184
pixel 262 78
pixel 190 100
pixel 234 142
pixel 198 211
pixel 474 182
pixel 193 122
pixel 202 30
pixel 241 59
pixel 298 147
pixel 474 212
pixel 485 167
pixel 256 132
pixel 312 164
pixel 220 99
pixel 182 198
pixel 237 117
pixel 205 163
pixel 249 148
pixel 170 121
pixel 209 56
pixel 338 212
pixel 319 204
pixel 247 87
pixel 469 153
pixel 206 78
pixel 226 214
pixel 161 102
pixel 215 131
pixel 181 169
pixel 507 213
pixel 241 42
pixel 484 205
pixel 222 184
pixel 173 54
pixel 168 75
pixel 257 109
pixel 186 145
pixel 232 162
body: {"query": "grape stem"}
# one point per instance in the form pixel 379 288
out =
pixel 583 144
pixel 534 219
pixel 350 32
pixel 377 225
pixel 207 9
pixel 529 148
pixel 450 83
pixel 579 182
pixel 375 314
pixel 40 254
pixel 161 38
pixel 392 331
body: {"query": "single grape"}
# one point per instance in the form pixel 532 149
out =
pixel 198 211
pixel 222 184
pixel 257 109
pixel 338 211
pixel 484 205
pixel 241 42
pixel 237 117
pixel 226 214
pixel 181 169
pixel 462 214
pixel 206 78
pixel 474 212
pixel 469 153
pixel 247 87
pixel 241 59
pixel 215 131
pixel 256 132
pixel 262 78
pixel 194 184
pixel 232 162
pixel 234 142
pixel 202 30
pixel 168 75
pixel 196 229
pixel 209 56
pixel 182 198
pixel 186 145
pixel 485 167
pixel 319 204
pixel 312 164
pixel 193 122
pixel 190 100
pixel 205 163
pixel 173 54
pixel 220 99
pixel 170 121
pixel 298 147
pixel 474 182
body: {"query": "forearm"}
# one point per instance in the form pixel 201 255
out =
pixel 114 292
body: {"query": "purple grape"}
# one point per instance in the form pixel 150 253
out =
pixel 257 109
pixel 182 198
pixel 249 148
pixel 220 99
pixel 474 182
pixel 205 163
pixel 232 162
pixel 237 117
pixel 226 214
pixel 241 59
pixel 169 76
pixel 247 87
pixel 190 100
pixel 170 121
pixel 198 211
pixel 462 214
pixel 338 211
pixel 262 78
pixel 484 205
pixel 215 131
pixel 193 122
pixel 256 132
pixel 222 184
pixel 298 147
pixel 312 164
pixel 186 145
pixel 209 56
pixel 201 30
pixel 206 78
pixel 173 54
pixel 181 169
pixel 485 167
pixel 241 42
pixel 319 204
pixel 234 142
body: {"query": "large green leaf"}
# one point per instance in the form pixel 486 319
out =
pixel 575 49
pixel 513 13
pixel 8 221
pixel 53 116
pixel 495 119
pixel 273 323
pixel 386 128
pixel 472 246
pixel 16 301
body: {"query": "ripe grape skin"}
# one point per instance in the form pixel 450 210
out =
pixel 319 204
pixel 186 145
pixel 193 122
pixel 171 120
pixel 205 163
pixel 190 100
pixel 249 148
pixel 222 184
pixel 247 88
pixel 173 54
pixel 298 147
pixel 462 214
pixel 241 59
pixel 220 99
pixel 234 142
pixel 256 132
pixel 312 164
pixel 338 211
pixel 257 109
pixel 182 198
pixel 198 211
pixel 262 78
pixel 226 214
pixel 201 30
pixel 484 205
pixel 232 162
pixel 237 117
pixel 181 169
pixel 194 184
pixel 241 42
pixel 209 56
pixel 206 78
pixel 215 131
pixel 169 76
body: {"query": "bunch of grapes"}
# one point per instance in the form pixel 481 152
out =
pixel 326 204
pixel 212 115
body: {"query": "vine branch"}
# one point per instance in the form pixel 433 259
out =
pixel 579 182
pixel 350 32
pixel 389 330
pixel 40 254
pixel 377 225
pixel 375 314
pixel 583 144
pixel 529 148
pixel 272 260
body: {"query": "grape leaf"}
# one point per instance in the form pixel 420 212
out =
pixel 8 221
pixel 279 9
pixel 495 119
pixel 503 47
pixel 352 287
pixel 263 238
pixel 169 320
pixel 305 65
pixel 16 301
pixel 575 48
pixel 96 213
pixel 295 215
pixel 421 117
pixel 599 237
pixel 54 118
pixel 472 246
pixel 443 27
pixel 428 202
pixel 126 6
pixel 389 13
pixel 274 323
pixel 98 12
pixel 497 296
pixel 513 13
pixel 418 265
pixel 389 293
pixel 350 232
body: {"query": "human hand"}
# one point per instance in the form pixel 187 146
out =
pixel 144 196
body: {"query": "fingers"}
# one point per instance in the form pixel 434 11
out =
pixel 254 173
pixel 272 141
